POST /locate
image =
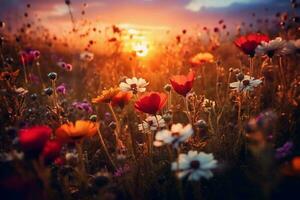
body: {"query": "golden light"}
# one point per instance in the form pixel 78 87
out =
pixel 141 49
pixel 137 41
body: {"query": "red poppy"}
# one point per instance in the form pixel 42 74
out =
pixel 151 102
pixel 121 98
pixel 51 151
pixel 29 56
pixel 183 84
pixel 32 140
pixel 248 43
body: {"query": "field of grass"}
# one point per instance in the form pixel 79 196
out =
pixel 105 114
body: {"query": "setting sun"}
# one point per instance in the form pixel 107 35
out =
pixel 141 49
pixel 137 41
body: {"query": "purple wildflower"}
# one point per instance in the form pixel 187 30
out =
pixel 61 89
pixel 122 170
pixel 85 106
pixel 284 150
pixel 266 119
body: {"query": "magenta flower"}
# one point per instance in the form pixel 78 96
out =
pixel 28 56
pixel 61 89
pixel 65 66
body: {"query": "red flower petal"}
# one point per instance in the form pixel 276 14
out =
pixel 151 102
pixel 248 43
pixel 183 84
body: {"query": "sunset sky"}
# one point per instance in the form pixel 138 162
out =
pixel 156 13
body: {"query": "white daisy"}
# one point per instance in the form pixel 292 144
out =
pixel 135 85
pixel 271 48
pixel 21 91
pixel 292 46
pixel 208 105
pixel 175 136
pixel 247 84
pixel 194 165
pixel 152 123
pixel 86 56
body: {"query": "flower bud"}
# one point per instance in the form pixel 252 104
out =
pixel 71 158
pixel 112 125
pixel 99 180
pixel 9 60
pixel 33 97
pixel 52 76
pixel 167 117
pixel 201 124
pixel 240 76
pixel 168 87
pixel 48 91
pixel 93 118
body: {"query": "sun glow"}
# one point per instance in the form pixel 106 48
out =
pixel 141 49
pixel 137 41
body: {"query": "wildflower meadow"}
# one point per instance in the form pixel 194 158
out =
pixel 111 111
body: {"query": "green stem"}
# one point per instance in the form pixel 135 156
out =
pixel 40 75
pixel 105 149
pixel 118 127
pixel 25 73
pixel 188 114
pixel 54 93
pixel 81 157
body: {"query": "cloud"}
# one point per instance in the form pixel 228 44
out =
pixel 173 13
pixel 197 5
pixel 59 10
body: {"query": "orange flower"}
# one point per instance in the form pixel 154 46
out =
pixel 121 98
pixel 9 75
pixel 296 164
pixel 106 96
pixel 77 131
pixel 201 58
